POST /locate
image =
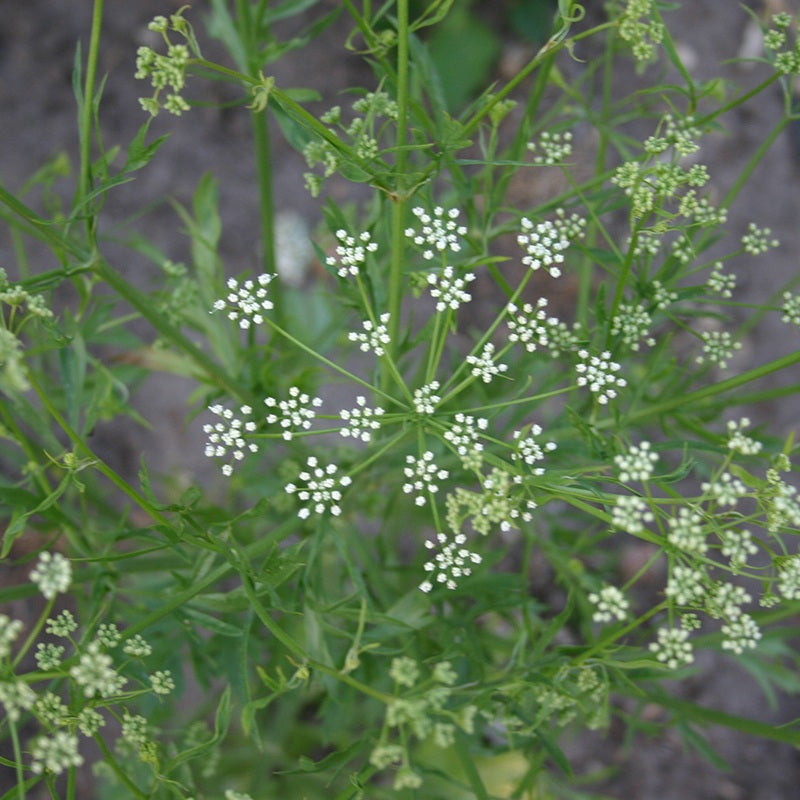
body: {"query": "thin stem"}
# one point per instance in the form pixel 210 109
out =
pixel 85 122
pixel 399 201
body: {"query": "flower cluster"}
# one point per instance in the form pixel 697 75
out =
pixel 791 309
pixel 599 374
pixel 53 574
pixel 451 562
pixel 529 326
pixel 438 232
pixel 228 435
pixel 723 283
pixel 543 244
pixel 738 442
pixel 633 323
pixel 351 252
pixel 448 289
pixel 718 347
pixel 321 489
pixel 637 464
pixel 610 604
pixel 758 240
pixel 375 336
pixel 529 450
pixel 464 435
pixel 361 421
pixel 422 475
pixel 296 414
pixel 426 399
pixel 245 302
pixel 484 366
pixel 165 72
pixel 555 148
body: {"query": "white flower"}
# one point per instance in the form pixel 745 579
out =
pixel 244 303
pixel 439 232
pixel 451 563
pixel 543 244
pixel 375 336
pixel 297 413
pixel 360 421
pixel 53 574
pixel 598 373
pixel 637 464
pixel 529 450
pixel 448 288
pixel 422 474
pixel 610 604
pixel 351 252
pixel 483 366
pixel 321 490
pixel 228 435
pixel 425 399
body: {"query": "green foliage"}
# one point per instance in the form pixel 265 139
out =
pixel 409 577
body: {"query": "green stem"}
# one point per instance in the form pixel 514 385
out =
pixel 689 400
pixel 17 759
pixel 85 121
pixel 100 465
pixel 266 207
pixel 395 293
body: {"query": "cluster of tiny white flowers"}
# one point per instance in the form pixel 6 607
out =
pixel 683 249
pixel 726 490
pixel 740 443
pixel 789 578
pixel 52 575
pixel 736 547
pixel 685 585
pixel 718 347
pixel 464 435
pixel 161 682
pixel 55 753
pixel 726 599
pixel 108 635
pixel 673 647
pixel 244 303
pixel 783 508
pixel 483 366
pixel 227 435
pixel 497 506
pixel 425 399
pixel 361 420
pixel 610 604
pixel 62 625
pixel 48 656
pixel 561 338
pixel 686 532
pixel 422 474
pixel 95 673
pixel 297 413
pixel 351 252
pixel 661 296
pixel 740 634
pixel 631 513
pixel 633 322
pixel 321 490
pixel 137 647
pixel 555 147
pixel 134 729
pixel 758 240
pixel 439 231
pixel 528 448
pixel 637 464
pixel 16 697
pixel 791 309
pixel 529 325
pixel 448 289
pixel 374 337
pixel 723 283
pixel 598 373
pixel 543 244
pixel 10 629
pixel 450 563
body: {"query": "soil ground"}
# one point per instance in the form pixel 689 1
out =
pixel 37 42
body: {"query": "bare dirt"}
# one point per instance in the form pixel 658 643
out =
pixel 37 46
